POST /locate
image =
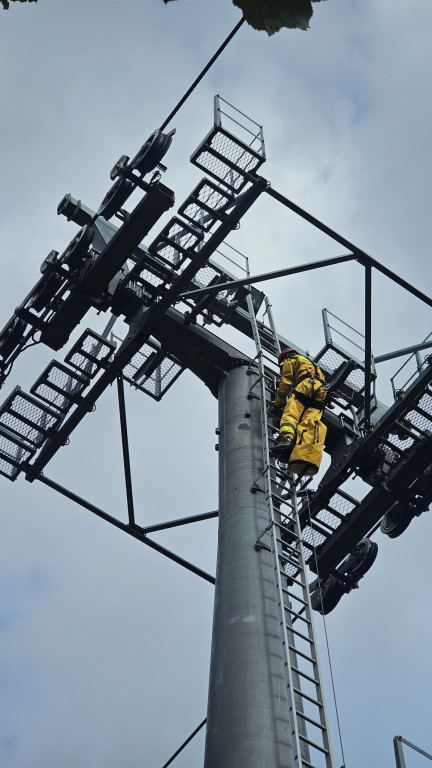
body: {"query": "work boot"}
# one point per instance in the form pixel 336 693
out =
pixel 283 446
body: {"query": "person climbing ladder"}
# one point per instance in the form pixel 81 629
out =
pixel 302 394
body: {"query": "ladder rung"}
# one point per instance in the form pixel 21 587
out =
pixel 306 696
pixel 295 581
pixel 269 359
pixel 305 675
pixel 311 720
pixel 280 500
pixel 297 615
pixel 314 744
pixel 307 764
pixel 300 635
pixel 287 559
pixel 285 528
pixel 268 345
pixel 302 654
pixel 287 546
pixel 295 597
pixel 292 546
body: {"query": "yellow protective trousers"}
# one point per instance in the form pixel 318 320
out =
pixel 296 411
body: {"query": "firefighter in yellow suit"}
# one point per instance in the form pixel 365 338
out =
pixel 302 392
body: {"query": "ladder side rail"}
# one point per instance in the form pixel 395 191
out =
pixel 268 482
pixel 298 718
pixel 272 486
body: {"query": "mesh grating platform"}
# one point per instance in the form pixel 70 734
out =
pixel 176 242
pixel 152 371
pixel 331 358
pixel 227 159
pixel 395 447
pixel 90 353
pixel 28 418
pixel 204 205
pixel 323 524
pixel 13 454
pixel 59 386
pixel 421 418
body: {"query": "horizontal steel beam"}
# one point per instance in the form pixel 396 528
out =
pixel 133 530
pixel 360 255
pixel 401 352
pixel 181 521
pixel 267 276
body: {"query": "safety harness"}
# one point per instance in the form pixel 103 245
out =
pixel 311 402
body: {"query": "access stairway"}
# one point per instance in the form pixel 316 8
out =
pixel 283 537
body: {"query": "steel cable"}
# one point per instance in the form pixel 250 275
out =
pixel 326 637
pixel 202 73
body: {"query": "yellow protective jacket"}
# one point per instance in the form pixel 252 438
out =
pixel 293 372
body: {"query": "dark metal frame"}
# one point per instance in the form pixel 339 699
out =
pixel 132 529
pixel 147 319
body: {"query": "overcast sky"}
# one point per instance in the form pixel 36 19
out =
pixel 104 644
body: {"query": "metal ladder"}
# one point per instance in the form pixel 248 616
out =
pixel 282 536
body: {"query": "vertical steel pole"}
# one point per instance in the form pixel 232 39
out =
pixel 368 347
pixel 248 716
pixel 125 446
pixel 400 760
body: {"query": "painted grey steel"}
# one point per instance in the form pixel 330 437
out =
pixel 402 352
pixel 400 759
pixel 125 449
pixel 268 276
pixel 248 718
pixel 328 328
pixel 358 254
pixel 133 530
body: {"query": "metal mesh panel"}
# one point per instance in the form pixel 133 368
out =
pixel 332 516
pixel 159 380
pixel 392 457
pixel 204 277
pixel 420 423
pixel 216 167
pixel 11 454
pixel 89 353
pixel 338 504
pixel 311 537
pixel 150 278
pixel 331 360
pixel 25 418
pixel 165 375
pixel 175 243
pixel 202 204
pixel 420 420
pixel 399 443
pixel 220 152
pixel 56 378
pixel 327 518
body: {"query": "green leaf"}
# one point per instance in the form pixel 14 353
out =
pixel 5 3
pixel 273 15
